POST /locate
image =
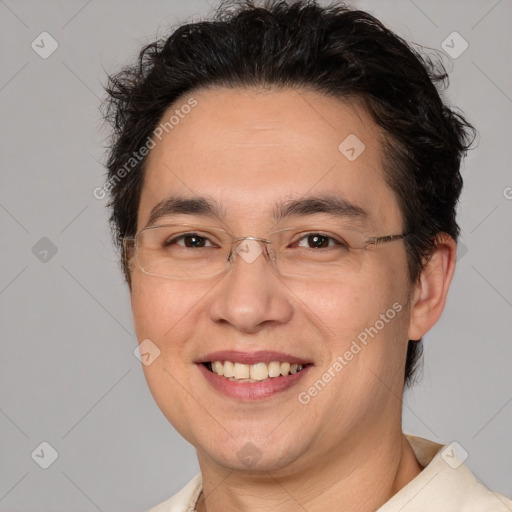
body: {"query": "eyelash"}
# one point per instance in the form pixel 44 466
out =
pixel 185 235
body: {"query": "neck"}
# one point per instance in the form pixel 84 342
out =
pixel 361 479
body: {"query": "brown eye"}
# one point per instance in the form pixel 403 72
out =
pixel 194 241
pixel 190 240
pixel 318 241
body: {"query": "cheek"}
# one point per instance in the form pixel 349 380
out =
pixel 383 323
pixel 366 314
pixel 169 313
pixel 158 308
pixel 161 313
pixel 356 302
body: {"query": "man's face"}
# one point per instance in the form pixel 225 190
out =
pixel 249 151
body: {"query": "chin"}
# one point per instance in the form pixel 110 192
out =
pixel 254 455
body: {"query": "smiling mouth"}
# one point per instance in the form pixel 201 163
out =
pixel 258 372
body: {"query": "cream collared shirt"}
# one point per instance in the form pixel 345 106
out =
pixel 444 485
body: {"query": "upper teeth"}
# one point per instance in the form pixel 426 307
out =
pixel 255 372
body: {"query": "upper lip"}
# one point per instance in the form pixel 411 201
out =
pixel 260 356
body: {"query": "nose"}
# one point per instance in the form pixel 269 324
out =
pixel 251 295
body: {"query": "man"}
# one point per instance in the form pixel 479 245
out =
pixel 284 180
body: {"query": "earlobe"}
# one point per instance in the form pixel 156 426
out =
pixel 431 290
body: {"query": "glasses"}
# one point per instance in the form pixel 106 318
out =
pixel 191 251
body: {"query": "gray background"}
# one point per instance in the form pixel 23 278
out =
pixel 68 373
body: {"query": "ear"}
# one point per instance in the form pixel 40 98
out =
pixel 431 289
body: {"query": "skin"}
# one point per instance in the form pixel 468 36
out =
pixel 249 149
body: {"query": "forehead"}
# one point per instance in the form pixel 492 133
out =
pixel 253 149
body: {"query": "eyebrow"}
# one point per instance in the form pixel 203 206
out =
pixel 332 205
pixel 177 205
pixel 208 207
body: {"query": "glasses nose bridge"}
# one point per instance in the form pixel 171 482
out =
pixel 249 249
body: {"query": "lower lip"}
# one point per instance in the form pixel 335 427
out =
pixel 249 391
